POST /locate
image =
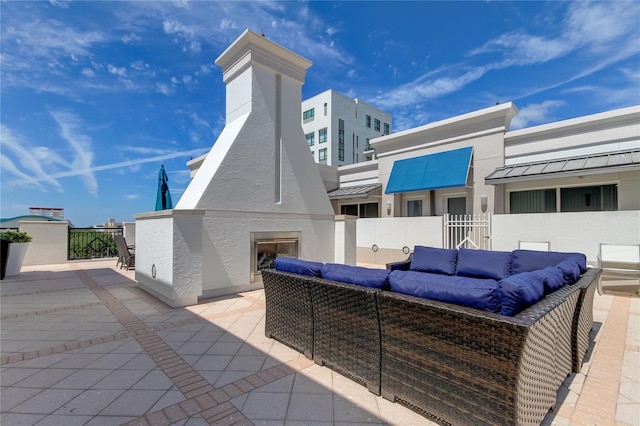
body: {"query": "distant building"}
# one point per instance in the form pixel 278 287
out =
pixel 45 214
pixel 338 129
pixel 55 212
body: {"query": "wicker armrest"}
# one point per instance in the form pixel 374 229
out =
pixel 464 366
pixel 403 265
pixel 347 331
pixel 288 309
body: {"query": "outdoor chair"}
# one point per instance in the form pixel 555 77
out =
pixel 125 257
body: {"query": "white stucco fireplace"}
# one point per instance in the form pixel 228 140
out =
pixel 257 194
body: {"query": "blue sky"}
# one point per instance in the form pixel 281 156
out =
pixel 95 96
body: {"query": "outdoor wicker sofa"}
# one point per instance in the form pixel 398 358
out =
pixel 455 364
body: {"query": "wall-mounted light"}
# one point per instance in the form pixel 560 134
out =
pixel 484 202
pixel 388 208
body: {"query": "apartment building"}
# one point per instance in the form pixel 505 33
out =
pixel 338 129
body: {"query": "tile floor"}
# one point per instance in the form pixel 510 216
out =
pixel 82 345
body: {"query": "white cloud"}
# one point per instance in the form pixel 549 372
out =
pixel 163 88
pixel 30 160
pixel 131 196
pixel 70 130
pixel 128 38
pixel 535 114
pixel 119 71
pixel 88 72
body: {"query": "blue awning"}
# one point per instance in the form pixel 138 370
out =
pixel 447 169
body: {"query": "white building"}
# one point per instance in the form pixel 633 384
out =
pixel 338 129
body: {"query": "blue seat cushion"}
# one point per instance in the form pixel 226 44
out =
pixel 570 269
pixel 552 278
pixel 298 266
pixel 531 260
pixel 367 277
pixel 494 265
pixel 432 259
pixel 520 291
pixel 474 293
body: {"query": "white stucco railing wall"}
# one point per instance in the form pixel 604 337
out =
pixel 571 232
pixel 50 242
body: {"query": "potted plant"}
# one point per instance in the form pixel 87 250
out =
pixel 18 245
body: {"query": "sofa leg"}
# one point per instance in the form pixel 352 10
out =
pixel 318 360
pixel 308 354
pixel 373 388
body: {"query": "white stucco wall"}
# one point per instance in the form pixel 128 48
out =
pixel 50 242
pixel 568 232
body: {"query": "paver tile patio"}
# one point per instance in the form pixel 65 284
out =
pixel 81 344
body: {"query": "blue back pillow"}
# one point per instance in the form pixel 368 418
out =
pixel 552 278
pixel 432 259
pixel 532 260
pixel 367 277
pixel 487 264
pixel 570 270
pixel 298 266
pixel 471 292
pixel 520 291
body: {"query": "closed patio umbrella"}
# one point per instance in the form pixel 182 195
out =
pixel 163 198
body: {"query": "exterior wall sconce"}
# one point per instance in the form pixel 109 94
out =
pixel 388 208
pixel 484 202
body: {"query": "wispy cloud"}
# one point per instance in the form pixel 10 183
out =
pixel 598 33
pixel 32 172
pixel 535 113
pixel 71 131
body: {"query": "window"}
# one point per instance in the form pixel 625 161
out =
pixel 341 140
pixel 322 156
pixel 414 208
pixel 322 135
pixel 311 138
pixel 308 114
pixel 364 210
pixel 536 201
pixel 367 146
pixel 368 121
pixel 589 198
pixel 325 109
pixel 578 199
pixel 376 125
pixel 386 128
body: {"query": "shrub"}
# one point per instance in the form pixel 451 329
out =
pixel 16 236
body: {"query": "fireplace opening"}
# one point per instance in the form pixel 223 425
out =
pixel 266 246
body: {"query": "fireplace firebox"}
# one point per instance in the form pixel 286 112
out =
pixel 266 246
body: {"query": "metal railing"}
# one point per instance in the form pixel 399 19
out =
pixel 92 243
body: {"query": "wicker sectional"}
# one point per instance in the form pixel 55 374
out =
pixel 454 364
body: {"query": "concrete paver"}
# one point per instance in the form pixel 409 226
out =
pixel 81 344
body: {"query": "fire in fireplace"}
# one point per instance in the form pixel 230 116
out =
pixel 266 246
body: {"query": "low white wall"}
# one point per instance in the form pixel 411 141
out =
pixel 580 232
pixel 50 242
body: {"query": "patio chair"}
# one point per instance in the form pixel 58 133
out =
pixel 125 257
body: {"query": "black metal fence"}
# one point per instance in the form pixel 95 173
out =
pixel 92 243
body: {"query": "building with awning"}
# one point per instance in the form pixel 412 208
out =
pixel 473 164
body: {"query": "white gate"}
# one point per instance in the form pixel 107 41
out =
pixel 468 231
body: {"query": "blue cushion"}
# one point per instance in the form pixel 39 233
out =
pixel 494 265
pixel 298 266
pixel 520 291
pixel 570 270
pixel 367 277
pixel 531 260
pixel 552 278
pixel 432 259
pixel 471 292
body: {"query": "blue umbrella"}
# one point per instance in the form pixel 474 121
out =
pixel 163 199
